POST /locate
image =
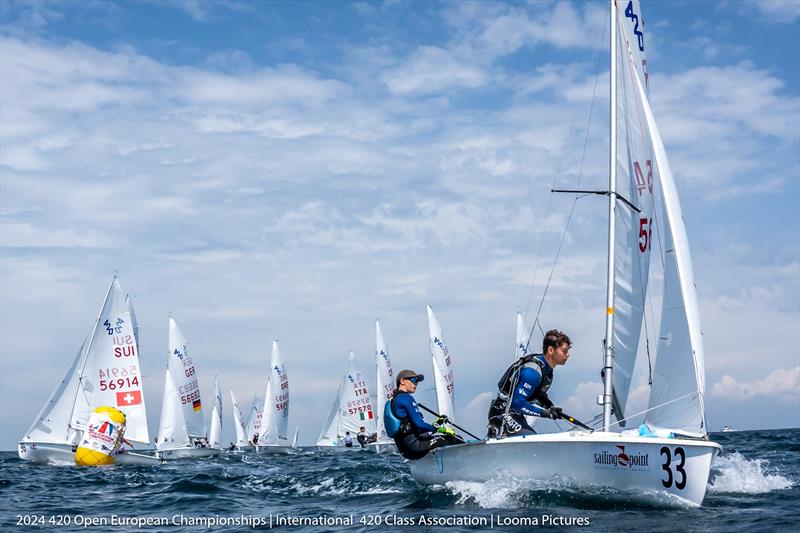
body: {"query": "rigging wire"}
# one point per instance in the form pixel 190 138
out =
pixel 536 321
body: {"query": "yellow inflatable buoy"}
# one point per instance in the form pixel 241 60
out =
pixel 102 437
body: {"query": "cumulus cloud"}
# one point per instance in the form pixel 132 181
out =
pixel 783 383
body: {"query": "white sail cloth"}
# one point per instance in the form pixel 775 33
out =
pixel 676 397
pixel 104 372
pixel 442 367
pixel 385 381
pixel 636 175
pixel 275 414
pixel 215 432
pixel 352 408
pixel 241 436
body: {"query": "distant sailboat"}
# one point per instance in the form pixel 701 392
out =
pixel 105 372
pixel 385 387
pixel 351 410
pixel 275 414
pixel 181 430
pixel 254 423
pixel 215 433
pixel 442 368
pixel 241 435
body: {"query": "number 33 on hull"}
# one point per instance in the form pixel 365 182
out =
pixel 665 471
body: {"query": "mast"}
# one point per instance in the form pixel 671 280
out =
pixel 608 360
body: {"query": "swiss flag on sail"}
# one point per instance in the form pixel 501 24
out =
pixel 132 397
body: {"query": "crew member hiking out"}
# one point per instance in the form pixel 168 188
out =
pixel 413 436
pixel 526 383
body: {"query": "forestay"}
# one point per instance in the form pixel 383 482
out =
pixel 442 367
pixel 635 177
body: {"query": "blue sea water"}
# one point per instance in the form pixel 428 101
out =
pixel 755 485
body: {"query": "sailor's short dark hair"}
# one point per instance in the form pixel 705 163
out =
pixel 555 338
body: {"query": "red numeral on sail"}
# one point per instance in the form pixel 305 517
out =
pixel 645 234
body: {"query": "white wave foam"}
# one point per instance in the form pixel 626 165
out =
pixel 735 473
pixel 491 494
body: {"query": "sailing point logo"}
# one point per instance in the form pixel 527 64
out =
pixel 620 459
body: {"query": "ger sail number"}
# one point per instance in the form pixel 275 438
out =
pixel 679 478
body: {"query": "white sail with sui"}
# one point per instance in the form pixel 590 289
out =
pixel 105 372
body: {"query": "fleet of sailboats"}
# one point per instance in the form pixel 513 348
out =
pixel 668 456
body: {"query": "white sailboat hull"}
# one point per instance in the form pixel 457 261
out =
pixel 382 447
pixel 64 454
pixel 187 453
pixel 665 471
pixel 267 449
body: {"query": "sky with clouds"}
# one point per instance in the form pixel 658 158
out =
pixel 295 170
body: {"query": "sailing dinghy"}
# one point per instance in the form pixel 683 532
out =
pixel 241 435
pixel 181 430
pixel 215 433
pixel 275 414
pixel 385 387
pixel 668 459
pixel 105 371
pixel 442 368
pixel 351 410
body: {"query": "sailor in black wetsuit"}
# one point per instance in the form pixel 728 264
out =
pixel 526 382
pixel 415 437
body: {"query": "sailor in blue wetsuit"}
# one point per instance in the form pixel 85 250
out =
pixel 526 383
pixel 414 437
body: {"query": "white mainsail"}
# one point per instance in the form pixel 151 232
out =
pixel 635 176
pixel 294 439
pixel 105 371
pixel 275 417
pixel 352 408
pixel 110 373
pixel 182 409
pixel 522 336
pixel 385 385
pixel 241 435
pixel 215 432
pixel 442 367
pixel 254 420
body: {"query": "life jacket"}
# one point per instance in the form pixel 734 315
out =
pixel 511 376
pixel 395 426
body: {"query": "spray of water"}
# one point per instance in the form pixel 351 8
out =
pixel 735 473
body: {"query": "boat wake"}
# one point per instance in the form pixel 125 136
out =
pixel 736 473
